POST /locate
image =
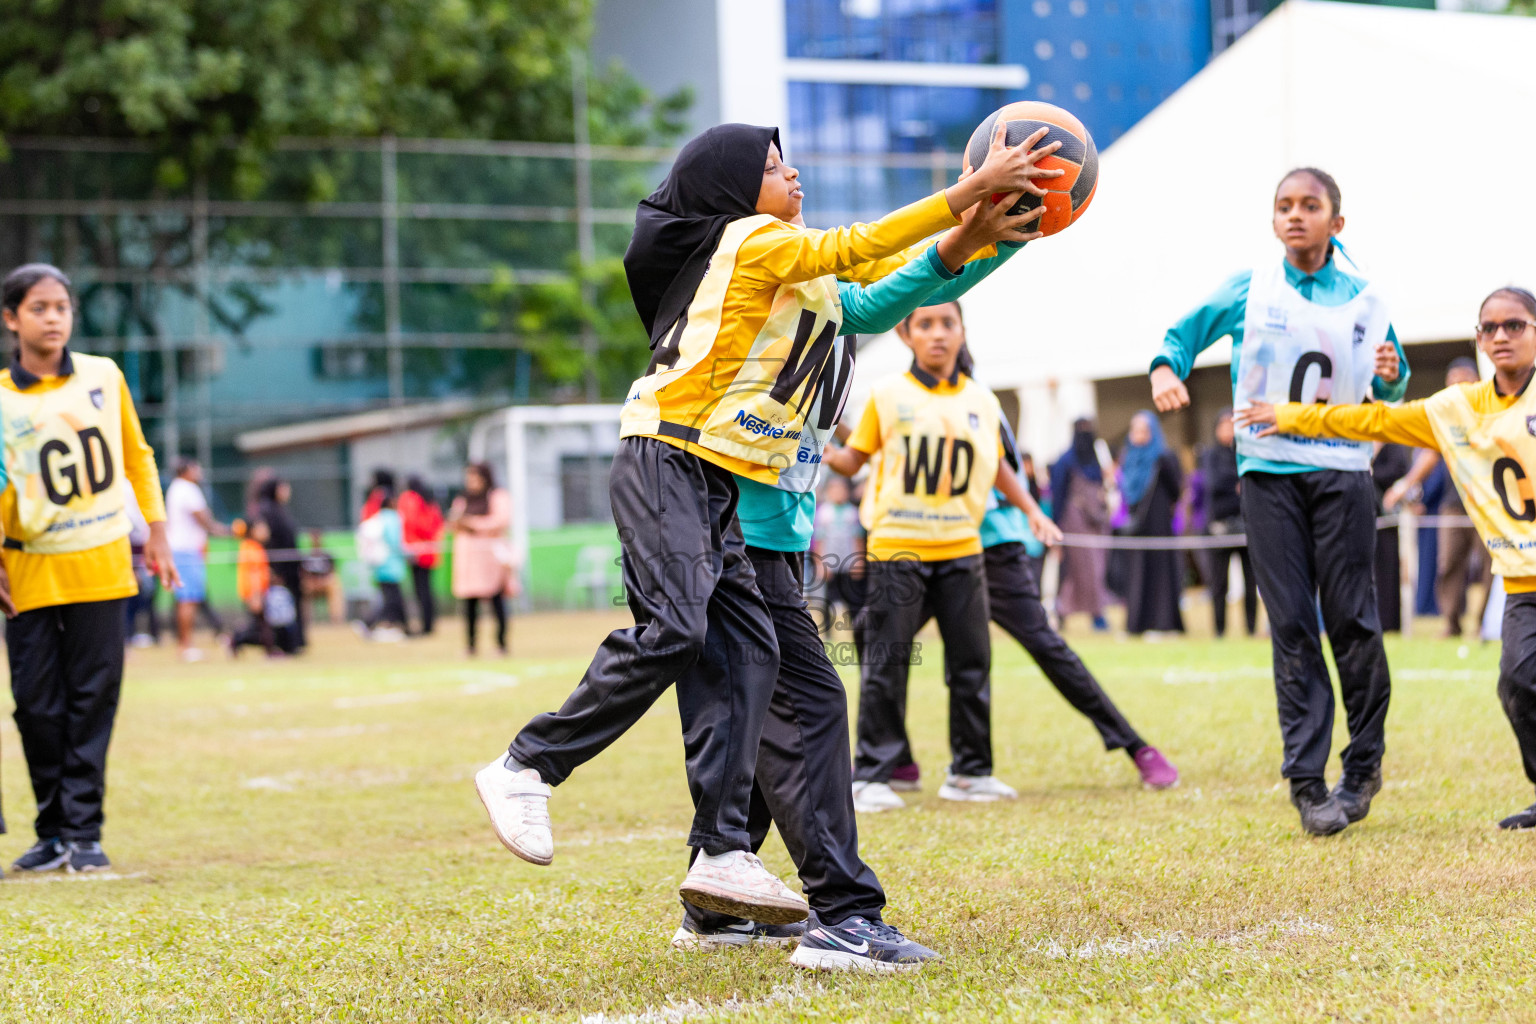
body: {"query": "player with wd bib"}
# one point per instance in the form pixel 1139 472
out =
pixel 1305 330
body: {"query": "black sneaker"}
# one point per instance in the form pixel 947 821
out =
pixel 859 944
pixel 87 856
pixel 45 855
pixel 1354 793
pixel 702 929
pixel 1321 814
pixel 1520 819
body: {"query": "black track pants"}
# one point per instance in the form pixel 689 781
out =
pixel 804 776
pixel 426 601
pixel 66 675
pixel 695 601
pixel 901 593
pixel 1013 593
pixel 1517 675
pixel 1313 536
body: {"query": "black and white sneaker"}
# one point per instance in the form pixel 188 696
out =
pixel 45 855
pixel 87 856
pixel 859 944
pixel 702 929
pixel 1520 819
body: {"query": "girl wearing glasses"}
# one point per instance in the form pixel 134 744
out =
pixel 1306 330
pixel 1486 432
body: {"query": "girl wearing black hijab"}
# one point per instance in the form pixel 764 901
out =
pixel 742 309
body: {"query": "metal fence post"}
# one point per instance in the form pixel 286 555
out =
pixel 389 212
pixel 586 243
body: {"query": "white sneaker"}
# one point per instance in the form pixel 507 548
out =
pixel 191 655
pixel 389 635
pixel 874 797
pixel 976 788
pixel 518 803
pixel 906 785
pixel 736 883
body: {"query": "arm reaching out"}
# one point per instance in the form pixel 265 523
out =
pixel 1045 531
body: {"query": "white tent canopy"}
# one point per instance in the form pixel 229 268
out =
pixel 1424 117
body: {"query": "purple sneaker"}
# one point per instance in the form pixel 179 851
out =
pixel 1156 771
pixel 907 779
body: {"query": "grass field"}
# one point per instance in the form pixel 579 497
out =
pixel 299 841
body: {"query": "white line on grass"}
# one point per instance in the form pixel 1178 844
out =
pixel 374 700
pixel 690 1009
pixel 1095 949
pixel 76 876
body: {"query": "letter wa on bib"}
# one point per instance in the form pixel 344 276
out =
pixel 1295 350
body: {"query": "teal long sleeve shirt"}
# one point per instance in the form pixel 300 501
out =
pixel 1223 314
pixel 783 520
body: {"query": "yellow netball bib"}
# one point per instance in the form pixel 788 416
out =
pixel 64 457
pixel 1492 458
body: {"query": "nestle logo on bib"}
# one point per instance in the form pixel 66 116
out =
pixel 1530 425
pixel 975 421
pixel 97 398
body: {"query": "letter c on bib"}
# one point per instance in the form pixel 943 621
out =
pixel 1501 470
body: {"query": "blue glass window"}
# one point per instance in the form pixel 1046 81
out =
pixel 836 117
pixel 941 31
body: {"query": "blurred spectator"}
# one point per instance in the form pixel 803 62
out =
pixel 1152 482
pixel 283 552
pixel 1389 465
pixel 383 483
pixel 1080 506
pixel 1222 513
pixel 381 544
pixel 188 525
pixel 318 578
pixel 422 520
pixel 1032 481
pixel 149 585
pixel 253 583
pixel 482 556
pixel 838 544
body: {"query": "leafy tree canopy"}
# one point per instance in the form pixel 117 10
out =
pixel 191 75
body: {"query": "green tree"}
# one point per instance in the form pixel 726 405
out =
pixel 211 88
pixel 195 75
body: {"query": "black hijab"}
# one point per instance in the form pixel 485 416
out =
pixel 715 180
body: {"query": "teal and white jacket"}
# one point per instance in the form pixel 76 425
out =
pixel 1224 313
pixel 780 520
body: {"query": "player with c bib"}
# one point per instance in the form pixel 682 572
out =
pixel 1305 330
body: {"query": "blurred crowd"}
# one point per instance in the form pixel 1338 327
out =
pixel 288 576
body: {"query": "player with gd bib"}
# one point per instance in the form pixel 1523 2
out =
pixel 1486 432
pixel 1304 329
pixel 73 446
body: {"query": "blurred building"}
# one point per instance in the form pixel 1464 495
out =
pixel 872 82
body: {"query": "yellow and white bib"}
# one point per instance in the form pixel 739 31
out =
pixel 1296 350
pixel 64 457
pixel 1492 458
pixel 933 473
pixel 751 398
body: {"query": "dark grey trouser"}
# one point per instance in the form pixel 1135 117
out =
pixel 804 775
pixel 696 605
pixel 901 592
pixel 66 677
pixel 1517 675
pixel 1313 536
pixel 1013 594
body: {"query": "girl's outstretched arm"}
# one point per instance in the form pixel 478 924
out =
pixel 1401 424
